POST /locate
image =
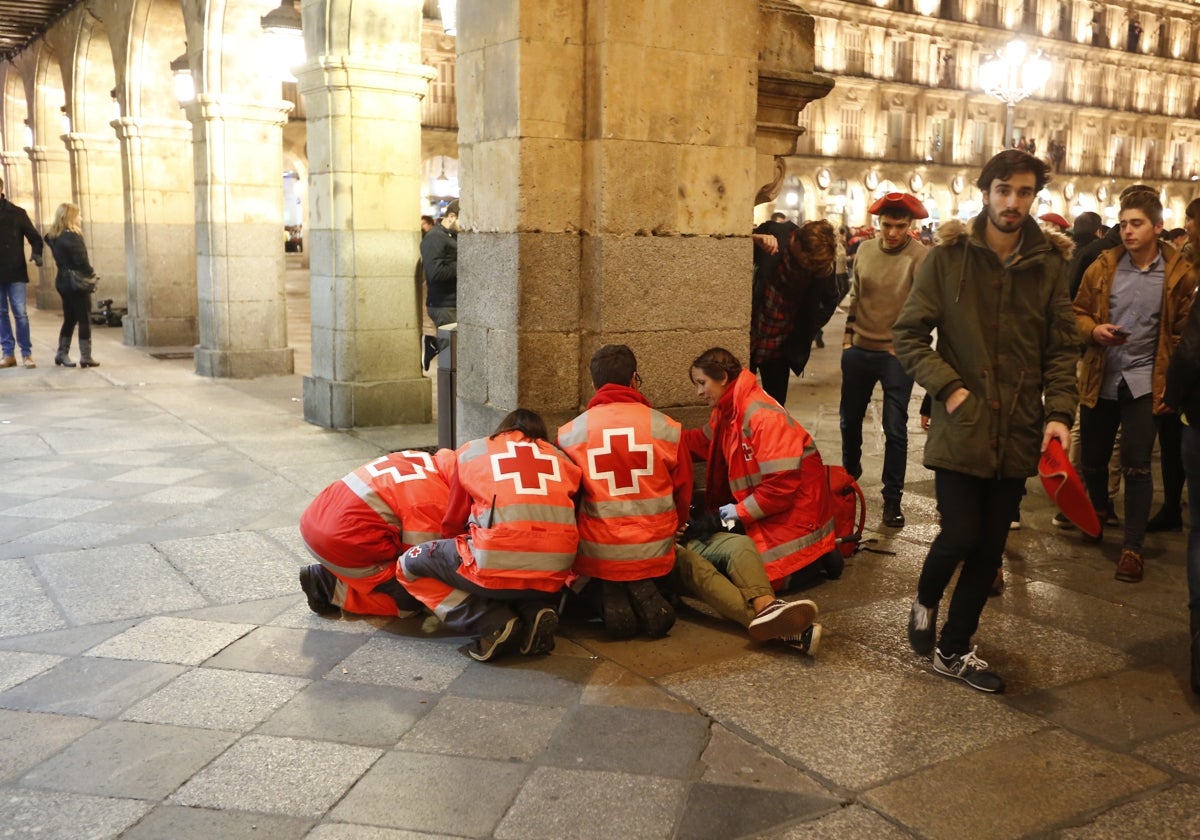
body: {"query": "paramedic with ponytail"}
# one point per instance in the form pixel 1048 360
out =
pixel 764 470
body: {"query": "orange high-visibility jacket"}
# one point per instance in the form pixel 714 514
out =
pixel 776 476
pixel 522 532
pixel 358 526
pixel 636 489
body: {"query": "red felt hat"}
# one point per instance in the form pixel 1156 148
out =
pixel 1065 489
pixel 903 202
pixel 1055 219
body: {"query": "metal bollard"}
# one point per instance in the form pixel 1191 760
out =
pixel 447 380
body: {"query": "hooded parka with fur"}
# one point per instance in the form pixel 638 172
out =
pixel 1006 333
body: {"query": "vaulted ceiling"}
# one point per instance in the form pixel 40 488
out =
pixel 23 20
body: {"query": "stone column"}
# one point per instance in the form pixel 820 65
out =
pixel 160 238
pixel 364 154
pixel 96 186
pixel 238 161
pixel 51 187
pixel 608 179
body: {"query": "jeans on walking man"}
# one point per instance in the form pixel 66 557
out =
pixel 14 281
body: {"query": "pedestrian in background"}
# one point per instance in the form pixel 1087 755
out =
pixel 14 280
pixel 65 239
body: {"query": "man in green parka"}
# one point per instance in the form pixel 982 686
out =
pixel 1003 383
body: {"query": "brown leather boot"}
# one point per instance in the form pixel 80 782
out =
pixel 8 361
pixel 1129 567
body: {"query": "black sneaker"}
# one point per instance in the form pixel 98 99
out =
pixel 1060 521
pixel 428 351
pixel 615 611
pixel 495 641
pixel 654 615
pixel 539 632
pixel 893 517
pixel 782 618
pixel 970 669
pixel 311 578
pixel 922 625
pixel 807 642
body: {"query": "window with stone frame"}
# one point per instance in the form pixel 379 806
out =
pixel 855 61
pixel 851 130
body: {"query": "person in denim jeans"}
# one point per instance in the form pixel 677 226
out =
pixel 883 275
pixel 14 280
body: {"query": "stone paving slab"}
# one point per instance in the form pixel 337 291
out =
pixel 49 815
pixel 278 775
pixel 183 641
pixel 350 713
pixel 281 650
pixel 643 741
pixel 213 699
pixel 99 688
pixel 464 797
pixel 130 760
pixel 1053 775
pixel 30 738
pixel 484 729
pixel 1174 812
pixel 173 821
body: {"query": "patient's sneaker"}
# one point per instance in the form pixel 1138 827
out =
pixel 782 618
pixel 807 642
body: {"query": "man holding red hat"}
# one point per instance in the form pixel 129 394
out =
pixel 883 275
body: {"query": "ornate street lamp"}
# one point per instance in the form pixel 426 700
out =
pixel 286 35
pixel 1013 75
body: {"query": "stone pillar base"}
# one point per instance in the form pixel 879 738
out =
pixel 347 405
pixel 245 364
pixel 159 332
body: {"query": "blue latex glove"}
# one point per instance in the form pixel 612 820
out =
pixel 728 514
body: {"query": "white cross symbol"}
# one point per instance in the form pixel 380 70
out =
pixel 419 470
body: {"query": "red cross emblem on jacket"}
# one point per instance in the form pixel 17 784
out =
pixel 621 461
pixel 410 466
pixel 528 469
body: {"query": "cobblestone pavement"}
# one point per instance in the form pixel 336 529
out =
pixel 161 676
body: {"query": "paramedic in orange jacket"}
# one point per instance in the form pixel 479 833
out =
pixel 635 495
pixel 358 526
pixel 763 468
pixel 509 541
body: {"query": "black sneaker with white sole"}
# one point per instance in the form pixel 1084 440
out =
pixel 922 625
pixel 970 669
pixel 782 618
pixel 540 627
pixel 496 641
pixel 807 642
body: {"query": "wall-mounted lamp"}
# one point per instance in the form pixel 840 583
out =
pixel 181 78
pixel 116 105
pixel 28 134
pixel 66 120
pixel 285 34
pixel 449 12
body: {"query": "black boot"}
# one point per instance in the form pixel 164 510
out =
pixel 64 347
pixel 893 517
pixel 85 354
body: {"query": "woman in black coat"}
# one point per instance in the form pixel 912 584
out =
pixel 66 243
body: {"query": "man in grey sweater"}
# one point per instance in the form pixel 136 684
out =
pixel 883 275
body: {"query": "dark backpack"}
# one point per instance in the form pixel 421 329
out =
pixel 849 509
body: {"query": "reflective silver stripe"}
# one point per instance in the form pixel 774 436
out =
pixel 752 507
pixel 663 427
pixel 362 572
pixel 780 465
pixel 708 431
pixel 792 546
pixel 454 599
pixel 365 492
pixel 518 561
pixel 744 482
pixel 557 514
pixel 574 433
pixel 626 551
pixel 473 450
pixel 418 537
pixel 402 566
pixel 638 507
